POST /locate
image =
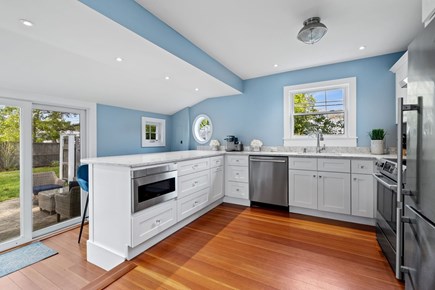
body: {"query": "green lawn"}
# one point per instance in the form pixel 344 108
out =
pixel 10 182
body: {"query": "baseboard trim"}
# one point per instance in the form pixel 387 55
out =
pixel 111 276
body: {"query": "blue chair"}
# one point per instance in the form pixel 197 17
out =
pixel 82 179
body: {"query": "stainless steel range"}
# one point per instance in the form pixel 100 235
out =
pixel 389 232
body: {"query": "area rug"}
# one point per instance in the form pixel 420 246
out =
pixel 22 257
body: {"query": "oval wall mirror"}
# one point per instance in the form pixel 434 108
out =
pixel 202 129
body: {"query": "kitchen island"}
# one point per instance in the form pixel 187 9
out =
pixel 117 232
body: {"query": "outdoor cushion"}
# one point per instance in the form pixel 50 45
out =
pixel 37 189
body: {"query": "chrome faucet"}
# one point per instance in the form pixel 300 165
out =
pixel 319 136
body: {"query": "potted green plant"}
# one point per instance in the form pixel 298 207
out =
pixel 377 144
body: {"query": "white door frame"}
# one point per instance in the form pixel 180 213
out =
pixel 25 100
pixel 25 173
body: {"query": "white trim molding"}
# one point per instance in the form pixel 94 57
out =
pixel 349 138
pixel 160 132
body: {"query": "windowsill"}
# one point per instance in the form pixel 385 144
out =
pixel 153 144
pixel 329 141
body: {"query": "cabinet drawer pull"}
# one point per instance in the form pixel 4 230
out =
pixel 237 189
pixel 320 176
pixel 157 222
pixel 314 176
pixel 354 179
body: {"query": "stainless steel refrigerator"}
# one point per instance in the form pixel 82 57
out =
pixel 418 217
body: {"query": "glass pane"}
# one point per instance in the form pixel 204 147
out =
pixel 153 128
pixel 56 157
pixel 153 136
pixel 329 124
pixel 319 101
pixel 148 136
pixel 10 207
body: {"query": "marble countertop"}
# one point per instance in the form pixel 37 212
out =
pixel 316 155
pixel 141 160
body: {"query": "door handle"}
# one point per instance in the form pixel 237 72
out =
pixel 268 160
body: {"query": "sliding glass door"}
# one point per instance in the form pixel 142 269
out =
pixel 40 150
pixel 14 159
pixel 56 142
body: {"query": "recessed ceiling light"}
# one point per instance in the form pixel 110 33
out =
pixel 196 89
pixel 26 22
pixel 119 59
pixel 362 47
pixel 167 77
pixel 275 65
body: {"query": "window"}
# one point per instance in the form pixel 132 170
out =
pixel 153 132
pixel 202 129
pixel 327 107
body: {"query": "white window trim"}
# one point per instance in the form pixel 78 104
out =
pixel 161 128
pixel 349 139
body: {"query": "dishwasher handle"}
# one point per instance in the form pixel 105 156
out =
pixel 268 160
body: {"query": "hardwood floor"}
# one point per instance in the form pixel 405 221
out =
pixel 66 270
pixel 249 248
pixel 231 247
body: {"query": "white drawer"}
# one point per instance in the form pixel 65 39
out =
pixel 190 183
pixel 237 173
pixel 237 189
pixel 333 164
pixel 191 166
pixel 151 221
pixel 362 166
pixel 302 163
pixel 216 161
pixel 191 204
pixel 237 160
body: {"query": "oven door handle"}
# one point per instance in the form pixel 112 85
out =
pixel 379 177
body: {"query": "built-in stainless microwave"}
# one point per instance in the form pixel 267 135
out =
pixel 153 185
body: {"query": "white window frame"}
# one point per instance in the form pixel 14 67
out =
pixel 348 139
pixel 160 132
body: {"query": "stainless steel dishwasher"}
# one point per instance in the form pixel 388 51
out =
pixel 268 179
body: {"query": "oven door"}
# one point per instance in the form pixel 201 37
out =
pixel 153 189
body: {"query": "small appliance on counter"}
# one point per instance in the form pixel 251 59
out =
pixel 233 144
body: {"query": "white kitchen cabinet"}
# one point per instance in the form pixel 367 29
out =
pixel 216 161
pixel 190 183
pixel 302 163
pixel 237 190
pixel 363 188
pixel 303 188
pixel 216 183
pixel 191 204
pixel 148 223
pixel 333 164
pixel 428 11
pixel 192 166
pixel 334 192
pixel 362 195
pixel 237 179
pixel 400 69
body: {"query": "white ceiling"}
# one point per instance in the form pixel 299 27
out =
pixel 70 53
pixel 250 36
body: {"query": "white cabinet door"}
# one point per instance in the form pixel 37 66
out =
pixel 216 183
pixel 192 166
pixel 191 204
pixel 149 222
pixel 237 160
pixel 362 195
pixel 303 188
pixel 334 192
pixel 237 173
pixel 237 190
pixel 190 183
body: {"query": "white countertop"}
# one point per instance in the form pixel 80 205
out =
pixel 140 160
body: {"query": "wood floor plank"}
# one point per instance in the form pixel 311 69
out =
pixel 235 247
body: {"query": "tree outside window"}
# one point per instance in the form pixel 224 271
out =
pixel 319 111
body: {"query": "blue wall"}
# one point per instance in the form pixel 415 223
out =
pixel 133 16
pixel 258 112
pixel 181 130
pixel 119 131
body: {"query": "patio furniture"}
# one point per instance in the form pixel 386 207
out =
pixel 67 203
pixel 82 179
pixel 43 181
pixel 46 200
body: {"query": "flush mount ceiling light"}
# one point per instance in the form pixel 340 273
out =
pixel 362 47
pixel 119 59
pixel 26 22
pixel 312 31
